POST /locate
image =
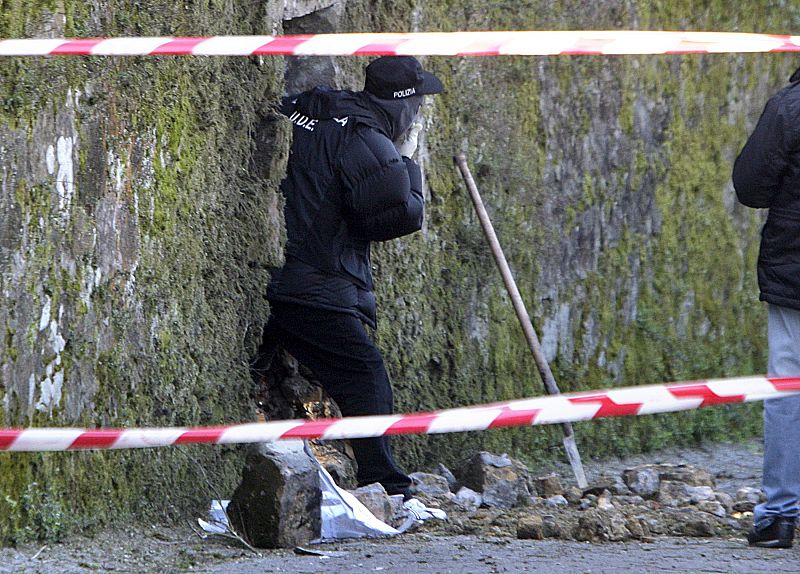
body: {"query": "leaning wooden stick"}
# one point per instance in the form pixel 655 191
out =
pixel 522 314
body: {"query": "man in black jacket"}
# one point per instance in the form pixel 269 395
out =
pixel 767 175
pixel 350 180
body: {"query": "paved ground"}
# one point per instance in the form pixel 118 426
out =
pixel 474 555
pixel 425 554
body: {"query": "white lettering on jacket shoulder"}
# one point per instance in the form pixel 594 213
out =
pixel 304 121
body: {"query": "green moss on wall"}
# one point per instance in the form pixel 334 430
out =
pixel 154 270
pixel 608 183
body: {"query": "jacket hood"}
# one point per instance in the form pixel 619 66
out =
pixel 390 117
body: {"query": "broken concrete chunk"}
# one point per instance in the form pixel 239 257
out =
pixel 555 501
pixel 374 498
pixel 712 507
pixel 746 499
pixel 548 486
pixel 530 527
pixel 600 526
pixel 442 470
pixel 642 480
pixel 430 484
pixel 502 480
pixel 469 499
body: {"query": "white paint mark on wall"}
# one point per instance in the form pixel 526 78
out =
pixel 51 387
pixel 65 187
pixel 31 389
pixel 44 319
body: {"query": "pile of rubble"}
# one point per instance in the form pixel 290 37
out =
pixel 277 503
pixel 496 495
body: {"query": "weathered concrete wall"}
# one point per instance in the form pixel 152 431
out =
pixel 139 214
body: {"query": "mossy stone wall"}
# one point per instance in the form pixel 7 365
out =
pixel 608 180
pixel 139 216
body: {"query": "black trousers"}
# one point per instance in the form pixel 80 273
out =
pixel 336 348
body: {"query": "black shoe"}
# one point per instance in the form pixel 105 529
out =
pixel 779 534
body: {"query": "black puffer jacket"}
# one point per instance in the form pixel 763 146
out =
pixel 767 174
pixel 346 185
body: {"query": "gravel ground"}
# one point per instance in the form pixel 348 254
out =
pixel 162 550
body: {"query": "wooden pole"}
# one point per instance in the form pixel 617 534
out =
pixel 522 314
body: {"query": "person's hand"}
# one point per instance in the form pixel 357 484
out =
pixel 408 145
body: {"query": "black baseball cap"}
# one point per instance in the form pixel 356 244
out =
pixel 395 77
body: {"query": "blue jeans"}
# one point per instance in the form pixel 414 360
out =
pixel 781 480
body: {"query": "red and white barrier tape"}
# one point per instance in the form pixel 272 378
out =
pixel 569 407
pixel 522 43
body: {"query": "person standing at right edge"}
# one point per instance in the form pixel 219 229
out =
pixel 767 175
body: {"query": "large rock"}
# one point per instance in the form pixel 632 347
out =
pixel 502 480
pixel 277 504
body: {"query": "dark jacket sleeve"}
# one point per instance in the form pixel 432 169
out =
pixel 383 191
pixel 763 162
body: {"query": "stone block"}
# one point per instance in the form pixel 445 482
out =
pixel 685 473
pixel 700 526
pixel 699 494
pixel 746 499
pixel 673 494
pixel 277 503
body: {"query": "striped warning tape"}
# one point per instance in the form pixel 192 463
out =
pixel 569 407
pixel 523 43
